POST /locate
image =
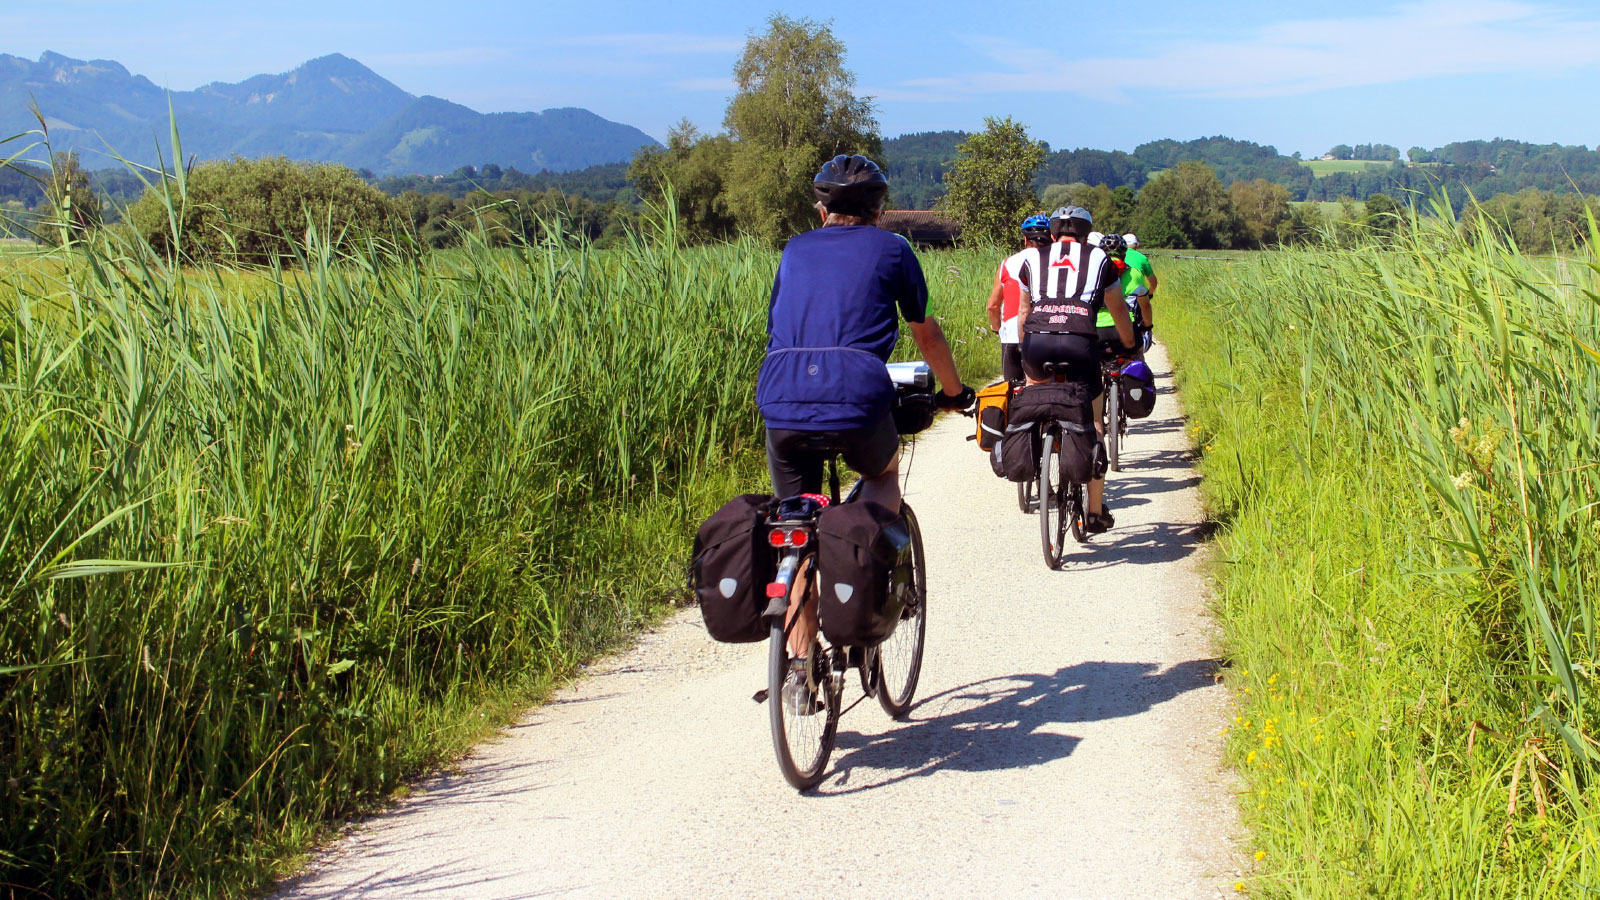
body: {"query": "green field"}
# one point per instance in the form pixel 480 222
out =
pixel 1398 445
pixel 1332 209
pixel 277 540
pixel 1321 167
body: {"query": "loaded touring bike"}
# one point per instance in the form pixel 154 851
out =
pixel 805 700
pixel 1061 501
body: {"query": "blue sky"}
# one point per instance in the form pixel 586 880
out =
pixel 1299 76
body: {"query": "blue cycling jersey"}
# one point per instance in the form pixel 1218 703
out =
pixel 832 325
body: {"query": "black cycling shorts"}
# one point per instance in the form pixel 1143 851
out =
pixel 796 458
pixel 1079 353
pixel 1011 361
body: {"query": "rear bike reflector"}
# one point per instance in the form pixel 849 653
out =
pixel 775 590
pixel 778 537
pixel 799 537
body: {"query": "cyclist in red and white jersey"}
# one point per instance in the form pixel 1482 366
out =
pixel 1007 293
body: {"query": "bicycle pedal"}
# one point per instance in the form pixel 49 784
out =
pixel 760 696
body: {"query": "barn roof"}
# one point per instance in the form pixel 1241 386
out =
pixel 921 226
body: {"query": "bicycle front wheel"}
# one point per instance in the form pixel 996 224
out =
pixel 899 659
pixel 805 720
pixel 1025 498
pixel 1075 513
pixel 1113 425
pixel 1052 501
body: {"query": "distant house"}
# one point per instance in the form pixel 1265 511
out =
pixel 922 227
pixel 1327 156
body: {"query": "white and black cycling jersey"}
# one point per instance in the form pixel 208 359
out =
pixel 1066 284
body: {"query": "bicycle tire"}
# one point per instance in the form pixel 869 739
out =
pixel 1052 502
pixel 791 729
pixel 1076 512
pixel 1113 435
pixel 1025 491
pixel 898 660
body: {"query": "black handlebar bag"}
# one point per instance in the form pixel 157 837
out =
pixel 730 568
pixel 865 574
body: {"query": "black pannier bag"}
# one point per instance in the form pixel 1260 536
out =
pixel 730 568
pixel 1017 455
pixel 1071 405
pixel 1138 390
pixel 865 572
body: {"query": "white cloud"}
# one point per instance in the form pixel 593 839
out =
pixel 724 85
pixel 1418 40
pixel 451 57
pixel 657 43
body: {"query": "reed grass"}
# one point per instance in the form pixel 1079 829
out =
pixel 1401 445
pixel 276 540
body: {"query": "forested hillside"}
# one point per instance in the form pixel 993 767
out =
pixel 1486 168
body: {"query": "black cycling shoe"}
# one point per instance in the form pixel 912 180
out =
pixel 1099 523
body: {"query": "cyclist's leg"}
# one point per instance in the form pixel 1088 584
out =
pixel 794 471
pixel 876 449
pixel 1011 362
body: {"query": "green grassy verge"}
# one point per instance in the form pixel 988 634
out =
pixel 273 542
pixel 1402 452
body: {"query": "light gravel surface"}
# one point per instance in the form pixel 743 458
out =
pixel 1065 742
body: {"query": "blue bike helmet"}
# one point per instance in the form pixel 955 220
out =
pixel 1035 221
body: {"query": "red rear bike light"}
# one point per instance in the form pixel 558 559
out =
pixel 778 537
pixel 799 537
pixel 776 589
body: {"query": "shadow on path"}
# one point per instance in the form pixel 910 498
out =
pixel 1006 722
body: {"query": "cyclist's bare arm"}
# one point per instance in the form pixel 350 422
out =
pixel 1150 279
pixel 1119 314
pixel 996 297
pixel 936 353
pixel 1147 311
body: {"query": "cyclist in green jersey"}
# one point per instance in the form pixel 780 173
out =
pixel 1137 260
pixel 1132 283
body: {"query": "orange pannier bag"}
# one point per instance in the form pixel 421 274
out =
pixel 993 402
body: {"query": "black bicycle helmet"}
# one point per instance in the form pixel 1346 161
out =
pixel 1114 244
pixel 1059 219
pixel 850 185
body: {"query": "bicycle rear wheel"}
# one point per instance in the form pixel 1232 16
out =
pixel 899 659
pixel 1052 502
pixel 802 734
pixel 1025 495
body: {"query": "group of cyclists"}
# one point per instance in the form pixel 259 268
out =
pixel 839 293
pixel 1070 297
pixel 1066 298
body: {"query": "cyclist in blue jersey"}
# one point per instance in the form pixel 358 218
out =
pixel 835 313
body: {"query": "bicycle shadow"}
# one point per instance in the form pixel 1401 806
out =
pixel 1137 545
pixel 1007 722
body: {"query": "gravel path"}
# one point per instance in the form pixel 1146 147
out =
pixel 1065 741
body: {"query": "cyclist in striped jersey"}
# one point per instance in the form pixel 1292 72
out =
pixel 1064 287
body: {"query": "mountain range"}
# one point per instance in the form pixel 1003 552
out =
pixel 330 109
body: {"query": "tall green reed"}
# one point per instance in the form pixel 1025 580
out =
pixel 1402 442
pixel 272 536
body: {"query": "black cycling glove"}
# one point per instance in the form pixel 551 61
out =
pixel 963 400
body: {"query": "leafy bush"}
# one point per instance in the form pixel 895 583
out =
pixel 254 210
